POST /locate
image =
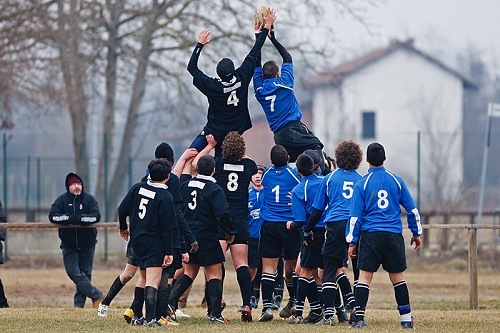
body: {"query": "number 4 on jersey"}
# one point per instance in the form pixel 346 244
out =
pixel 233 99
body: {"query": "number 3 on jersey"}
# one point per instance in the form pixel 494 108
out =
pixel 232 98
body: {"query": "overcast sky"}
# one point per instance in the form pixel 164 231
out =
pixel 438 26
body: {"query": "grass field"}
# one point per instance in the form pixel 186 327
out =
pixel 41 301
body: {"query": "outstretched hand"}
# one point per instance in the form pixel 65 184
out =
pixel 204 36
pixel 211 140
pixel 269 19
pixel 417 241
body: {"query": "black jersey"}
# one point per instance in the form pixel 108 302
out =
pixel 151 212
pixel 227 101
pixel 234 178
pixel 203 202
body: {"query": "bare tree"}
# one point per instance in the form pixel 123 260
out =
pixel 70 54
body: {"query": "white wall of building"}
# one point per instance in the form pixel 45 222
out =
pixel 409 94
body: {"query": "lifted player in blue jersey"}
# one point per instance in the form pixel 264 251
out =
pixel 274 91
pixel 333 198
pixel 375 220
pixel 276 209
pixel 227 95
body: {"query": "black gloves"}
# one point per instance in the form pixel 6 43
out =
pixel 74 219
pixel 308 237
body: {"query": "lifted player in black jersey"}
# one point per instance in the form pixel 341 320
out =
pixel 227 95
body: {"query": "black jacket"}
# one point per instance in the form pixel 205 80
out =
pixel 3 231
pixel 77 210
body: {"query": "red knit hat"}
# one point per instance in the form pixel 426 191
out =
pixel 72 180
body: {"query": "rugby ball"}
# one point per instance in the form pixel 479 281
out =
pixel 260 12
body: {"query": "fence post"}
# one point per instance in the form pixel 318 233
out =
pixel 106 215
pixel 28 183
pixel 473 268
pixel 5 193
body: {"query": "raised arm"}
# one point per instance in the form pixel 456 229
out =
pixel 185 161
pixel 287 57
pixel 203 38
pixel 205 151
pixel 261 31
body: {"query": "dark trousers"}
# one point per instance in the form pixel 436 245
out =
pixel 78 265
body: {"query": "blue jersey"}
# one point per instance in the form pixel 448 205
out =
pixel 376 205
pixel 276 195
pixel 335 194
pixel 276 97
pixel 302 199
pixel 254 220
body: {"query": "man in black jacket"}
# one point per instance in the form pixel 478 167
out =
pixel 76 207
pixel 3 233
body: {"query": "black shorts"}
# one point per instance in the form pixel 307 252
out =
pixel 310 256
pixel 335 244
pixel 331 265
pixel 381 248
pixel 242 231
pixel 130 255
pixel 177 263
pixel 254 260
pixel 296 137
pixel 275 238
pixel 207 254
pixel 152 261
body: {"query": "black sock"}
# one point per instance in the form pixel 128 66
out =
pixel 214 287
pixel 362 293
pixel 279 284
pixel 178 289
pixel 345 288
pixel 401 293
pixel 162 297
pixel 138 302
pixel 113 291
pixel 256 288
pixel 300 296
pixel 267 281
pixel 150 297
pixel 319 289
pixel 329 297
pixel 292 288
pixel 312 296
pixel 244 280
pixel 338 298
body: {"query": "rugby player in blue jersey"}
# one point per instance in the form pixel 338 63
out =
pixel 333 198
pixel 310 255
pixel 274 91
pixel 276 209
pixel 375 221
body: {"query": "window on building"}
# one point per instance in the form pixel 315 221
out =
pixel 368 131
